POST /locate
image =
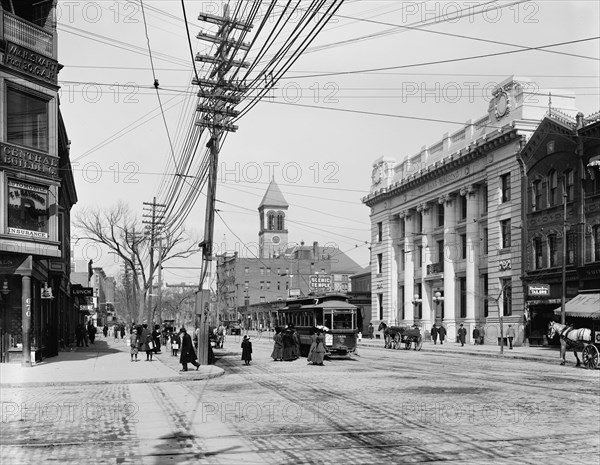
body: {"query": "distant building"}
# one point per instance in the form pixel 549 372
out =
pixel 250 288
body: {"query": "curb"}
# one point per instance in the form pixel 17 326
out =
pixel 481 354
pixel 171 379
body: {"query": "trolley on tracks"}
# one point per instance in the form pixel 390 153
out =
pixel 333 311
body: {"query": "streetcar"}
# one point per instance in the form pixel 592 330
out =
pixel 331 312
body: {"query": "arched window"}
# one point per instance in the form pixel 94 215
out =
pixel 280 221
pixel 270 221
pixel 552 188
pixel 536 195
pixel 552 250
pixel 538 254
pixel 570 185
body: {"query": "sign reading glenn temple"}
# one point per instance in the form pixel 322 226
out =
pixel 24 159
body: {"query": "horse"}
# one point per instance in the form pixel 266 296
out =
pixel 391 334
pixel 570 338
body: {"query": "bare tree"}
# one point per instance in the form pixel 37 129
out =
pixel 118 230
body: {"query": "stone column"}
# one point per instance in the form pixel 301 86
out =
pixel 409 265
pixel 392 237
pixel 451 250
pixel 473 247
pixel 427 243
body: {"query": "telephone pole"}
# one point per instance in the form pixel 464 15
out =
pixel 220 95
pixel 153 230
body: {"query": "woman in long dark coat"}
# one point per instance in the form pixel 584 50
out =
pixel 146 343
pixel 317 348
pixel 246 350
pixel 188 354
pixel 277 353
pixel 288 346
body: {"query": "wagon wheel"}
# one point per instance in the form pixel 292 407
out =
pixel 590 356
pixel 419 343
pixel 407 344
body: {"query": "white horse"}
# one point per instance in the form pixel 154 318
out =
pixel 570 338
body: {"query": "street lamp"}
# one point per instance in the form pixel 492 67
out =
pixel 438 299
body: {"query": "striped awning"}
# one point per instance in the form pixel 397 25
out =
pixel 582 305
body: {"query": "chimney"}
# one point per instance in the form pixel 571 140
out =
pixel 315 250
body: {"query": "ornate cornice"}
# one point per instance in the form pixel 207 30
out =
pixel 475 151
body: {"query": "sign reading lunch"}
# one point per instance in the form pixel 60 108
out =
pixel 31 63
pixel 24 159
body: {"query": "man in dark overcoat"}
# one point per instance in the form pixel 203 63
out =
pixel 462 334
pixel 434 333
pixel 188 354
pixel 442 333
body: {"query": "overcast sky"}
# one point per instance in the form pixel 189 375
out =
pixel 382 79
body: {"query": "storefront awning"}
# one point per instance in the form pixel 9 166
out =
pixel 583 305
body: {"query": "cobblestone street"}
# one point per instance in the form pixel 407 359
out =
pixel 378 407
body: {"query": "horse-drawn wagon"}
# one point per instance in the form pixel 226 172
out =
pixel 398 336
pixel 583 339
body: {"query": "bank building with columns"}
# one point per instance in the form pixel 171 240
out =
pixel 446 223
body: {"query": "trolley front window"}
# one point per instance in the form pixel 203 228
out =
pixel 343 320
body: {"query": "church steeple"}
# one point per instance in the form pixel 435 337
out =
pixel 273 235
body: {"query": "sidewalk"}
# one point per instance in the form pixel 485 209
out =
pixel 548 354
pixel 105 362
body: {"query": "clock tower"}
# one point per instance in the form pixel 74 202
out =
pixel 273 234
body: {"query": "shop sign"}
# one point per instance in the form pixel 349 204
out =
pixel 31 63
pixel 538 290
pixel 82 291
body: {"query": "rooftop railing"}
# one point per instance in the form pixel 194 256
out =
pixel 28 35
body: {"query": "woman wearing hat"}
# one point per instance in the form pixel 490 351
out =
pixel 246 350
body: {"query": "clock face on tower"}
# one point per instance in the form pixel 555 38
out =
pixel 275 239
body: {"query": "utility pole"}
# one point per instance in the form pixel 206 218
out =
pixel 219 95
pixel 563 296
pixel 153 229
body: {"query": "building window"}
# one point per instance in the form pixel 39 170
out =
pixel 246 284
pixel 486 305
pixel 268 284
pixel 27 120
pixel 538 254
pixel 553 250
pixel 463 208
pixel 379 263
pixel 280 221
pixel 536 195
pixel 505 232
pixel 484 199
pixel 552 188
pixel 28 213
pixel 400 313
pixel 379 231
pixel 247 270
pixel 402 226
pixel 505 188
pixel 440 249
pixel 440 214
pixel 571 247
pixel 419 222
pixel 596 240
pixel 380 306
pixel 402 259
pixel 278 285
pixel 463 245
pixel 262 271
pixel 570 185
pixel 486 242
pixel 462 283
pixel 262 285
pixel 506 296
